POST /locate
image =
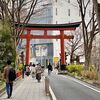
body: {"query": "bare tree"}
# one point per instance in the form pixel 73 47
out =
pixel 88 35
pixel 18 11
pixel 74 46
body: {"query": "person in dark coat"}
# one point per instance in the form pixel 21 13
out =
pixel 49 68
pixel 9 84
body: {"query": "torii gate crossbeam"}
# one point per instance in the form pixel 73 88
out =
pixel 46 28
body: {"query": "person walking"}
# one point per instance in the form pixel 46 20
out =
pixel 49 68
pixel 38 72
pixel 23 71
pixel 33 70
pixel 9 84
pixel 27 70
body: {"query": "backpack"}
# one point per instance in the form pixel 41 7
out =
pixel 12 74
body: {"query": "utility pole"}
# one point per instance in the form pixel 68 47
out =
pixel 97 10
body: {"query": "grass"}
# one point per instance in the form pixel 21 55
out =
pixel 2 84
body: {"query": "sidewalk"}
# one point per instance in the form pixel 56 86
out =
pixel 28 89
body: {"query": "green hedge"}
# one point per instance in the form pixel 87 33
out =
pixel 75 69
pixel 2 68
pixel 20 67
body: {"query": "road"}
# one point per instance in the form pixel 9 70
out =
pixel 68 88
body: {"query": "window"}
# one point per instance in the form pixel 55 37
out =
pixel 68 1
pixel 68 12
pixel 89 13
pixel 56 11
pixel 89 1
pixel 79 13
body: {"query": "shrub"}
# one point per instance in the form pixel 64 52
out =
pixel 74 74
pixel 1 68
pixel 89 74
pixel 20 67
pixel 72 68
pixel 92 68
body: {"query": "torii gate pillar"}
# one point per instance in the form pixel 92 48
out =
pixel 28 47
pixel 62 47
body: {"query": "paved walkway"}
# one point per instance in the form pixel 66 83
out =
pixel 28 89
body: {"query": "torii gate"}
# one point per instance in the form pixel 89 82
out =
pixel 46 28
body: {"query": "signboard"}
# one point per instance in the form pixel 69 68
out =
pixel 56 59
pixel 41 50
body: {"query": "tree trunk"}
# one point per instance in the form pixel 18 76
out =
pixel 71 56
pixel 87 58
pixel 97 10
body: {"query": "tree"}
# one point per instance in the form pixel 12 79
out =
pixel 16 11
pixel 88 33
pixel 74 46
pixel 19 11
pixel 6 44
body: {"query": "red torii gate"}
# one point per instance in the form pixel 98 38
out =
pixel 46 27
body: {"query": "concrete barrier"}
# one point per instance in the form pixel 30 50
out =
pixel 48 89
pixel 47 85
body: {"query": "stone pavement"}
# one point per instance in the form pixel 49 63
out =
pixel 28 89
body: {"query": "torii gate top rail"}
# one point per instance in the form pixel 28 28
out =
pixel 67 26
pixel 46 27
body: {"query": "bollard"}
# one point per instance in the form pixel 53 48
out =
pixel 47 85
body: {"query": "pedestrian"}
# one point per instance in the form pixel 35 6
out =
pixel 9 84
pixel 27 70
pixel 33 70
pixel 49 69
pixel 23 71
pixel 38 72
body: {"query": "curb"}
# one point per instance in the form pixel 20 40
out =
pixel 53 97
